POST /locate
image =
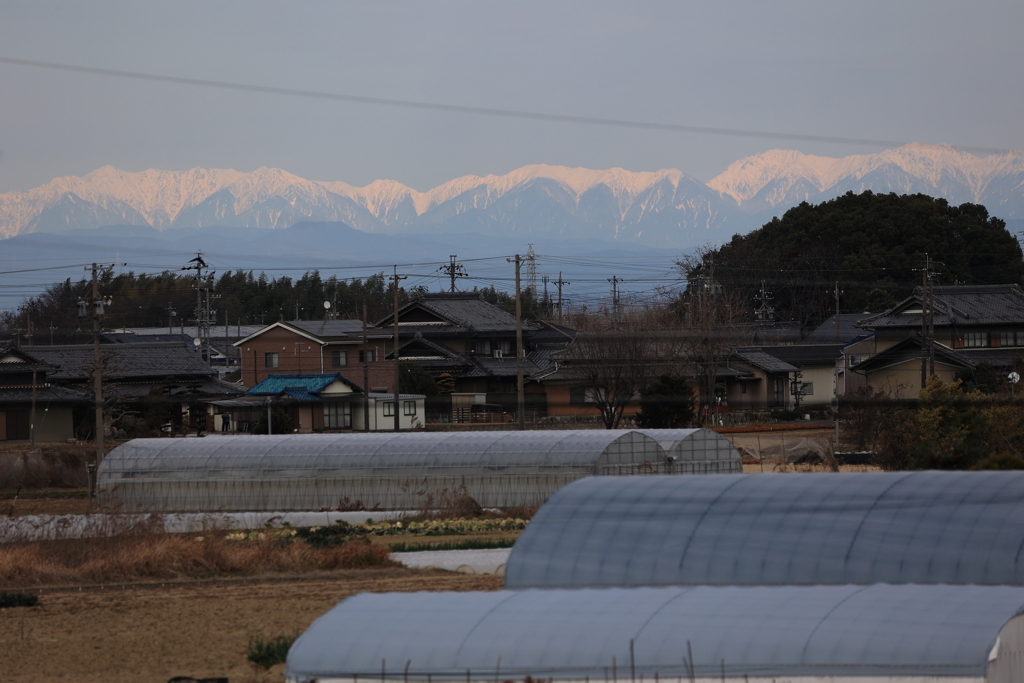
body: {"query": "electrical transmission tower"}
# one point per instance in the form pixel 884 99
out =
pixel 764 312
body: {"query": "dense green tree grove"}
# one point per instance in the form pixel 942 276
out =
pixel 872 245
pixel 167 298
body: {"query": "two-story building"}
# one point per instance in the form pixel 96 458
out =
pixel 298 347
pixel 968 325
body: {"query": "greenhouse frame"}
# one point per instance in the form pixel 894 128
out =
pixel 854 634
pixel 378 471
pixel 829 528
pixel 697 451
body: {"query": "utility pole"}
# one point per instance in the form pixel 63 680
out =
pixel 366 377
pixel 927 320
pixel 454 270
pixel 615 280
pixel 520 394
pixel 398 368
pixel 837 292
pixel 202 312
pixel 94 310
pixel 560 283
pixel 170 318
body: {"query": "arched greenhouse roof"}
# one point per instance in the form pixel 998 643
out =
pixel 698 446
pixel 830 528
pixel 332 453
pixel 606 634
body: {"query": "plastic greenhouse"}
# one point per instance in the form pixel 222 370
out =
pixel 782 633
pixel 849 528
pixel 697 451
pixel 384 471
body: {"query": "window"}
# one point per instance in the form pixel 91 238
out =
pixel 505 346
pixel 339 359
pixel 480 347
pixel 389 408
pixel 270 359
pixel 337 416
pixel 778 391
pixel 582 395
pixel 1011 338
pixel 408 407
pixel 367 356
pixel 975 339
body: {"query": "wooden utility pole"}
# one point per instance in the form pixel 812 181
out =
pixel 366 376
pixel 520 395
pixel 95 311
pixel 560 283
pixel 398 368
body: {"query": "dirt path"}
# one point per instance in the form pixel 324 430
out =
pixel 155 632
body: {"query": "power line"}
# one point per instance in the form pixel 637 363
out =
pixel 466 109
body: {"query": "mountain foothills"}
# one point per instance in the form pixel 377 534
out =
pixel 665 208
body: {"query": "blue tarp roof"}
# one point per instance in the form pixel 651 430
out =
pixel 295 385
pixel 878 630
pixel 829 528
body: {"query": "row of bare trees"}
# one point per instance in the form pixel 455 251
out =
pixel 617 357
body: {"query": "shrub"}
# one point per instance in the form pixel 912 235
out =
pixel 267 653
pixel 18 600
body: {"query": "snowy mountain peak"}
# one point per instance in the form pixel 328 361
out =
pixel 773 173
pixel 659 207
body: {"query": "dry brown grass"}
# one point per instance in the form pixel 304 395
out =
pixel 166 556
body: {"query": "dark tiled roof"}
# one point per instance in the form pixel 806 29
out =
pixel 806 354
pixel 963 306
pixel 303 387
pixel 463 312
pixel 763 361
pixel 125 361
pixel 328 329
pixel 43 395
pixel 200 387
pixel 848 331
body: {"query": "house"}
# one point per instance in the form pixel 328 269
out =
pixel 155 382
pixel 315 347
pixel 223 356
pixel 461 334
pixel 320 402
pixel 29 400
pixel 757 380
pixel 972 324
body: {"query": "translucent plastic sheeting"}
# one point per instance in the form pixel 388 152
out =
pixel 829 528
pixel 697 451
pixel 650 633
pixel 372 471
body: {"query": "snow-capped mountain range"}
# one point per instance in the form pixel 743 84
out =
pixel 666 207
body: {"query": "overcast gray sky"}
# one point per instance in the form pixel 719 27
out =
pixel 929 71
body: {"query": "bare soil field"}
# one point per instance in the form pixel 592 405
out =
pixel 155 631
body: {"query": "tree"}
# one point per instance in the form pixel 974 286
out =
pixel 445 383
pixel 872 245
pixel 668 403
pixel 613 360
pixel 711 322
pixel 280 421
pixel 413 379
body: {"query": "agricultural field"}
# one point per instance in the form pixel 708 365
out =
pixel 148 606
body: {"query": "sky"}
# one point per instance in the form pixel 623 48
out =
pixel 929 71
